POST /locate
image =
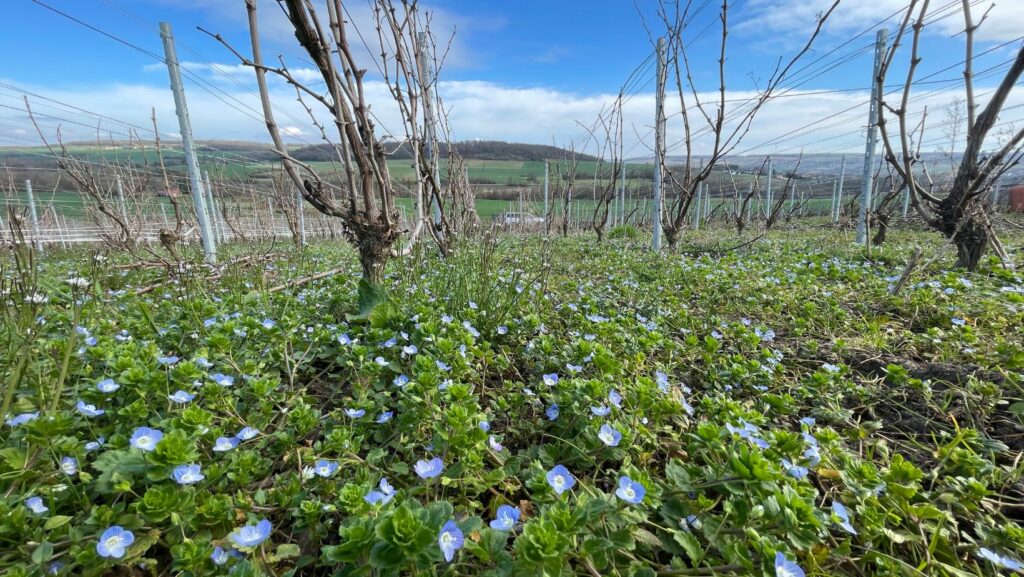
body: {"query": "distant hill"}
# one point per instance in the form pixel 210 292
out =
pixel 471 149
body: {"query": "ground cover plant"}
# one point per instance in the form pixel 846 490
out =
pixel 524 407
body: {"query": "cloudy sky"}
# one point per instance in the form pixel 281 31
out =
pixel 526 71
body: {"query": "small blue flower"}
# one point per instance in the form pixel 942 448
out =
pixel 114 541
pixel 662 380
pixel 502 329
pixel 146 439
pixel 450 539
pixel 324 468
pixel 55 568
pixel 202 362
pixel 786 568
pixel 550 379
pixel 385 416
pixel 181 397
pixel 247 433
pixel 209 322
pixel 355 413
pixel 959 322
pixel 222 379
pixel 187 474
pixel 807 421
pixel 26 417
pixel 812 455
pixel 1000 560
pixel 573 368
pixel 560 479
pixel 400 381
pixel 269 323
pixel 168 360
pixel 609 436
pixel 381 361
pixel 69 465
pixel 35 504
pixel 219 556
pixel 552 412
pixel 383 496
pixel 469 327
pixel 844 517
pixel 410 350
pixel 615 399
pixel 829 367
pixel 107 386
pixel 93 445
pixel 344 340
pixel 506 518
pixel 601 411
pixel 251 535
pixel 442 365
pixel 630 491
pixel 794 471
pixel 223 444
pixel 484 426
pixel 429 469
pixel 88 410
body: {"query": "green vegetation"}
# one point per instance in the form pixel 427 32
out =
pixel 528 407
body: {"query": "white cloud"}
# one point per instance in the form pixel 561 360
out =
pixel 769 17
pixel 483 110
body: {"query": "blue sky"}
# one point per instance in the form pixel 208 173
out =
pixel 527 70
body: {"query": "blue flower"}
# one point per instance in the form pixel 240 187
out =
pixel 168 360
pixel 615 399
pixel 469 327
pixel 209 322
pixel 794 471
pixel 493 442
pixel 450 539
pixel 552 412
pixel 69 465
pixel 55 568
pixel 219 556
pixel 959 322
pixel 187 474
pixel 812 455
pixel 390 343
pixel 383 496
pixel 88 410
pixel 1000 560
pixel 807 421
pixel 222 380
pixel 442 365
pixel 114 541
pixel 630 491
pixel 246 433
pixel 381 361
pixel 223 444
pixel 502 329
pixel 410 350
pixel 844 517
pixel 146 439
pixel 601 411
pixel 93 445
pixel 429 469
pixel 550 379
pixel 107 386
pixel 385 416
pixel 560 479
pixel 269 323
pixel 829 367
pixel 325 468
pixel 355 413
pixel 251 535
pixel 609 436
pixel 35 504
pixel 24 418
pixel 202 362
pixel 786 568
pixel 506 518
pixel 484 426
pixel 573 368
pixel 400 381
pixel 344 340
pixel 181 397
pixel 662 380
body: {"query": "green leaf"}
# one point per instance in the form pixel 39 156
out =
pixel 56 521
pixel 42 553
pixel 690 544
